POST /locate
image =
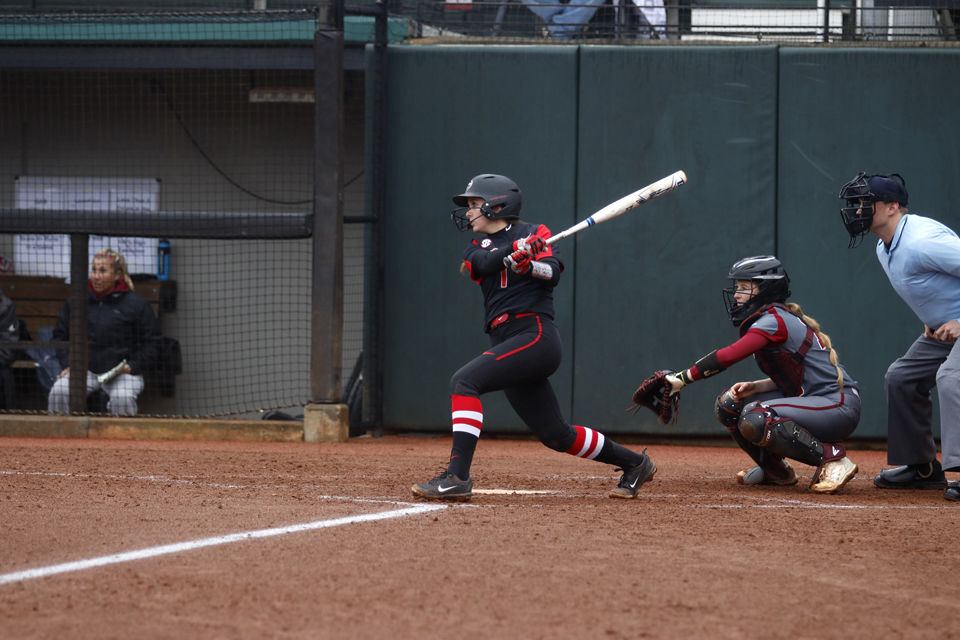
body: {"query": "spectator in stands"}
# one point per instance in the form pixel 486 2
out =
pixel 124 336
pixel 651 19
pixel 564 20
pixel 10 332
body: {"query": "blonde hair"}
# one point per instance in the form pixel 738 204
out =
pixel 796 310
pixel 119 262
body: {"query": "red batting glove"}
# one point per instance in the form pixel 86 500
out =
pixel 534 245
pixel 518 261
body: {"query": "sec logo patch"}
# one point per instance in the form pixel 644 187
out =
pixel 486 243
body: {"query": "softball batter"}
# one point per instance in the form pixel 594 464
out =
pixel 807 405
pixel 517 273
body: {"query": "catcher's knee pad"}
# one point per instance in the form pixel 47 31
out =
pixel 727 410
pixel 755 423
pixel 781 436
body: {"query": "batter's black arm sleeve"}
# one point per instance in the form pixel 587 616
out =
pixel 484 263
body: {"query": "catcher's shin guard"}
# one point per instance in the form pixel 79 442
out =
pixel 783 437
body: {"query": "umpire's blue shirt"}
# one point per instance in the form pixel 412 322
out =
pixel 923 265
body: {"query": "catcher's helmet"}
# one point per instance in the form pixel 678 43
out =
pixel 868 189
pixel 495 190
pixel 773 285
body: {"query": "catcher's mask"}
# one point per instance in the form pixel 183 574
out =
pixel 860 194
pixel 773 285
pixel 495 190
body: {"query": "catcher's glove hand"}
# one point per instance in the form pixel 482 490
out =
pixel 656 394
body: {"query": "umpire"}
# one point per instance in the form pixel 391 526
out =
pixel 921 257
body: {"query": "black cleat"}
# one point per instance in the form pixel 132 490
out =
pixel 633 478
pixel 445 486
pixel 953 492
pixel 928 475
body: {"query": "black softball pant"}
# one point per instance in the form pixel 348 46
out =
pixel 523 354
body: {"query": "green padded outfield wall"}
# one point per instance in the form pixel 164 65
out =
pixel 880 111
pixel 455 112
pixel 766 134
pixel 648 284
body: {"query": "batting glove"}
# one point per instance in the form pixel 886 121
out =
pixel 534 245
pixel 518 261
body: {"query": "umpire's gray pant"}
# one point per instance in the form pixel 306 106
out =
pixel 927 363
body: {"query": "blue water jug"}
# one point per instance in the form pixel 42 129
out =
pixel 163 259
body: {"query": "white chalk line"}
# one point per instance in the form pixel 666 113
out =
pixel 180 547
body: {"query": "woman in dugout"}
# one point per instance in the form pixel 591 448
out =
pixel 517 273
pixel 806 406
pixel 123 337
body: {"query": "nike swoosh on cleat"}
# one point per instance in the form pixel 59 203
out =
pixel 445 489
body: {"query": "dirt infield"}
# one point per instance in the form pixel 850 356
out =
pixel 291 540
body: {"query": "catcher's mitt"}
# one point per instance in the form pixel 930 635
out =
pixel 654 394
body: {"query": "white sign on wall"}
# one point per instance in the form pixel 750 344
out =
pixel 49 254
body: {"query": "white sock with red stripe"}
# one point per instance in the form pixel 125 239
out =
pixel 467 419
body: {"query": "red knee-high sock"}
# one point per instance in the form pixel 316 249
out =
pixel 467 417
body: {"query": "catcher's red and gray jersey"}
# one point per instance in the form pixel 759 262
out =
pixel 785 335
pixel 505 292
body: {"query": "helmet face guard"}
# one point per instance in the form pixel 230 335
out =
pixel 495 190
pixel 858 214
pixel 459 215
pixel 773 285
pixel 860 194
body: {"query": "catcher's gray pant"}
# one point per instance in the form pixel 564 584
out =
pixel 123 391
pixel 830 418
pixel 909 380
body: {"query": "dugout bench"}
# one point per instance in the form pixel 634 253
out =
pixel 38 301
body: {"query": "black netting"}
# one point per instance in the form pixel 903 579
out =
pixel 185 141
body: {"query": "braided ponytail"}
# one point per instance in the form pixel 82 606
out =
pixel 796 310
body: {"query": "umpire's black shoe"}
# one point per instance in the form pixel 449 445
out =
pixel 633 478
pixel 953 492
pixel 928 475
pixel 445 486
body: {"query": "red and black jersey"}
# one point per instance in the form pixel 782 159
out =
pixel 503 290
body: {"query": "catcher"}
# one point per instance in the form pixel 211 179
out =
pixel 802 410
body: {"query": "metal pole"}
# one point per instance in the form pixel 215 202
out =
pixel 373 338
pixel 326 322
pixel 79 248
pixel 825 5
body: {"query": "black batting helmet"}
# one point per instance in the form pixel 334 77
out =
pixel 773 285
pixel 860 194
pixel 495 190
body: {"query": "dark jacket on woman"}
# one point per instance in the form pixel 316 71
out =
pixel 122 326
